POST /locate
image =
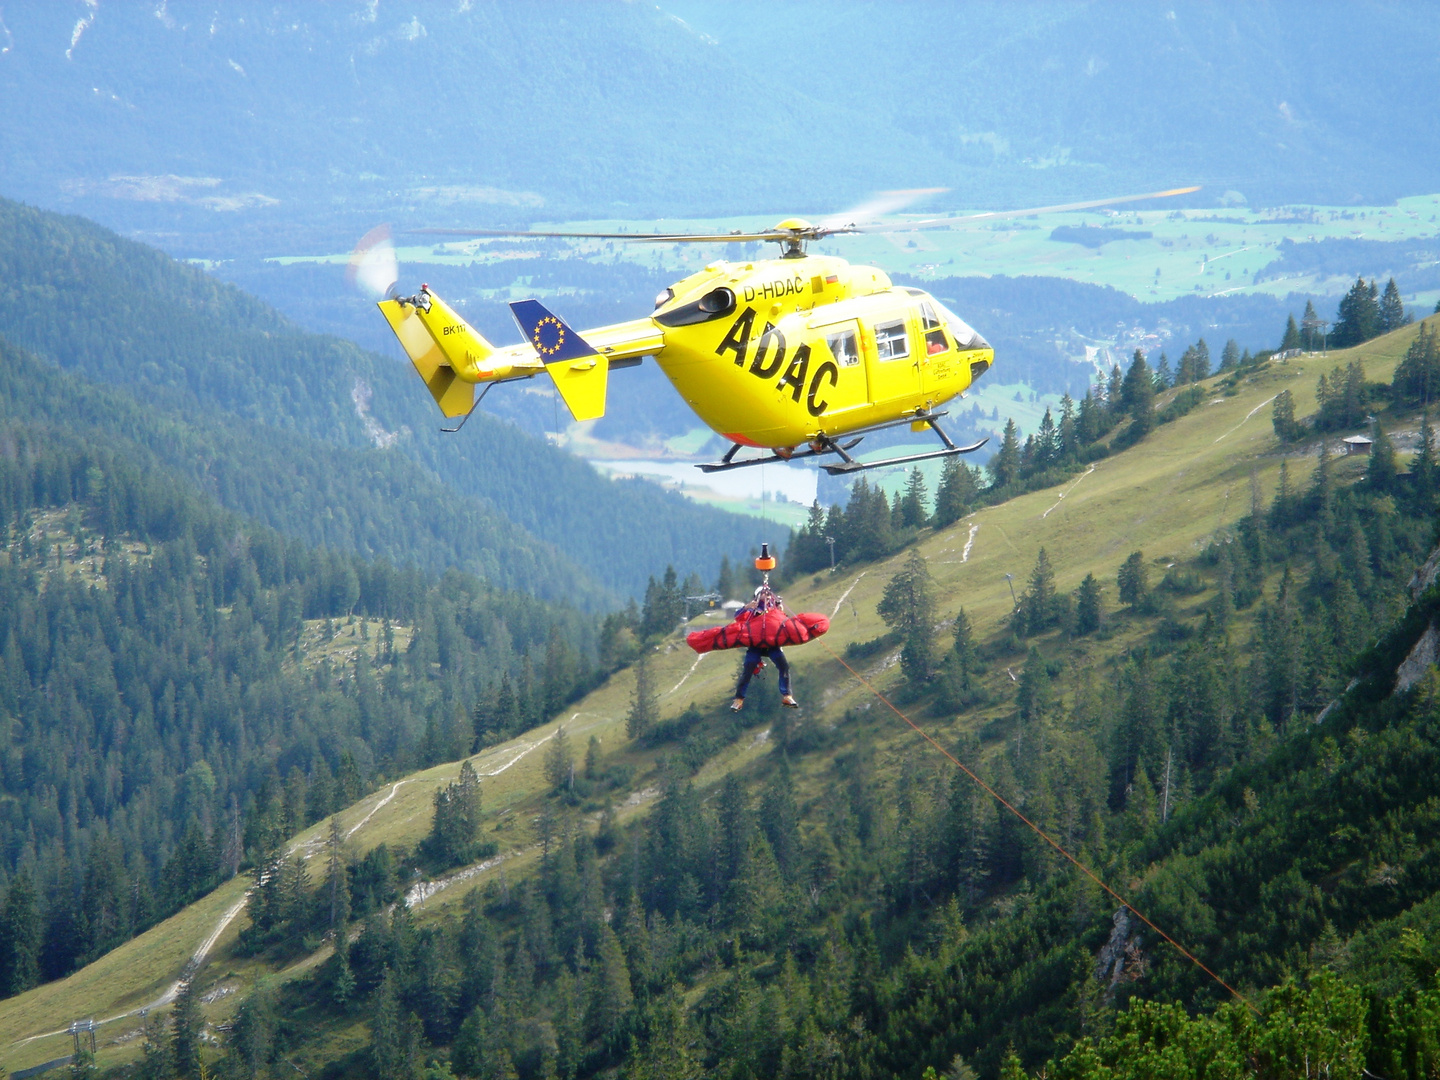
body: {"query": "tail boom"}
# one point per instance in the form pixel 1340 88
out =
pixel 449 355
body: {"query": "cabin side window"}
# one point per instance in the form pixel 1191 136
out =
pixel 845 347
pixel 891 341
pixel 934 333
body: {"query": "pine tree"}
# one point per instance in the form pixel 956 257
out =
pixel 664 605
pixel 1311 337
pixel 188 1028
pixel 592 758
pixel 559 764
pixel 1038 608
pixel 1164 377
pixel 1005 465
pixel 1138 394
pixel 82 1065
pixel 1392 309
pixel 1322 484
pixel 337 880
pixel 1354 398
pixel 252 1033
pixel 1423 466
pixel 1230 356
pixel 1291 338
pixel 1417 376
pixel 1283 506
pixel 20 936
pixel 342 987
pixel 156 1060
pixel 1194 364
pixel 1011 1068
pixel 1090 423
pixel 1382 469
pixel 1087 606
pixel 610 995
pixel 956 493
pixel 1282 417
pixel 673 1047
pixel 959 665
pixel 1032 695
pixel 456 825
pixel 1358 317
pixel 387 1031
pixel 1133 580
pixel 727 584
pixel 913 511
pixel 908 608
pixel 644 708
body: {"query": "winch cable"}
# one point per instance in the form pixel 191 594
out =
pixel 1039 831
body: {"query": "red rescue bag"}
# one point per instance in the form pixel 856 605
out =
pixel 760 630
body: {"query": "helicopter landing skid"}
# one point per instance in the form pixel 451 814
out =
pixel 847 464
pixel 850 465
pixel 729 462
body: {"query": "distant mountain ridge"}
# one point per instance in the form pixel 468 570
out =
pixel 193 118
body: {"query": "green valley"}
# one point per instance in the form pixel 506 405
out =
pixel 824 895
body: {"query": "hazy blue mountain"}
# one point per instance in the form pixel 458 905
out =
pixel 195 120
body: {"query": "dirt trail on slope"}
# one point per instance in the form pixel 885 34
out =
pixel 308 848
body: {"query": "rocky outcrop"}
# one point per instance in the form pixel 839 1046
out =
pixel 1418 662
pixel 1120 957
pixel 1426 576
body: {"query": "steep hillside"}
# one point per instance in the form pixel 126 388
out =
pixel 197 351
pixel 850 905
pixel 177 681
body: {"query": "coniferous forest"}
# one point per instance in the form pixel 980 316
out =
pixel 183 690
pixel 1250 774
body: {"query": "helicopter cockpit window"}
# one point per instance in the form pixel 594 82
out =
pixel 891 342
pixel 845 347
pixel 965 337
pixel 934 335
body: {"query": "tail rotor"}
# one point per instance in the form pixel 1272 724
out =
pixel 374 269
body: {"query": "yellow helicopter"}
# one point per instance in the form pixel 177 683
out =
pixel 797 357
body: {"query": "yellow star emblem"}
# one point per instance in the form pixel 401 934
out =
pixel 537 337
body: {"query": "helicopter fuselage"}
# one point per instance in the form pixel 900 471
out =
pixel 793 349
pixel 773 353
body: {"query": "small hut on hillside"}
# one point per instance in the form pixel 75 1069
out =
pixel 1358 444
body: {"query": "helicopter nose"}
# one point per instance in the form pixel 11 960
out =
pixel 966 337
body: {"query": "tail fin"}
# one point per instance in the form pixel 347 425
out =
pixel 579 372
pixel 447 352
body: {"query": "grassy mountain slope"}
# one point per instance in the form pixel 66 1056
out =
pixel 111 310
pixel 1168 496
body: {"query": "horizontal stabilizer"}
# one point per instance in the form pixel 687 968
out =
pixel 580 373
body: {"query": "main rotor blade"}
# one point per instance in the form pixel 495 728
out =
pixel 876 207
pixel 996 215
pixel 654 238
pixel 853 222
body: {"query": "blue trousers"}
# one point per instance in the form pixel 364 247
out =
pixel 752 665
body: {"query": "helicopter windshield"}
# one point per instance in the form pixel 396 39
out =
pixel 965 337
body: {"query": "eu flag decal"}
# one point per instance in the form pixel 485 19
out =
pixel 551 338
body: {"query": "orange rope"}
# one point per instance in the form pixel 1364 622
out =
pixel 1039 831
